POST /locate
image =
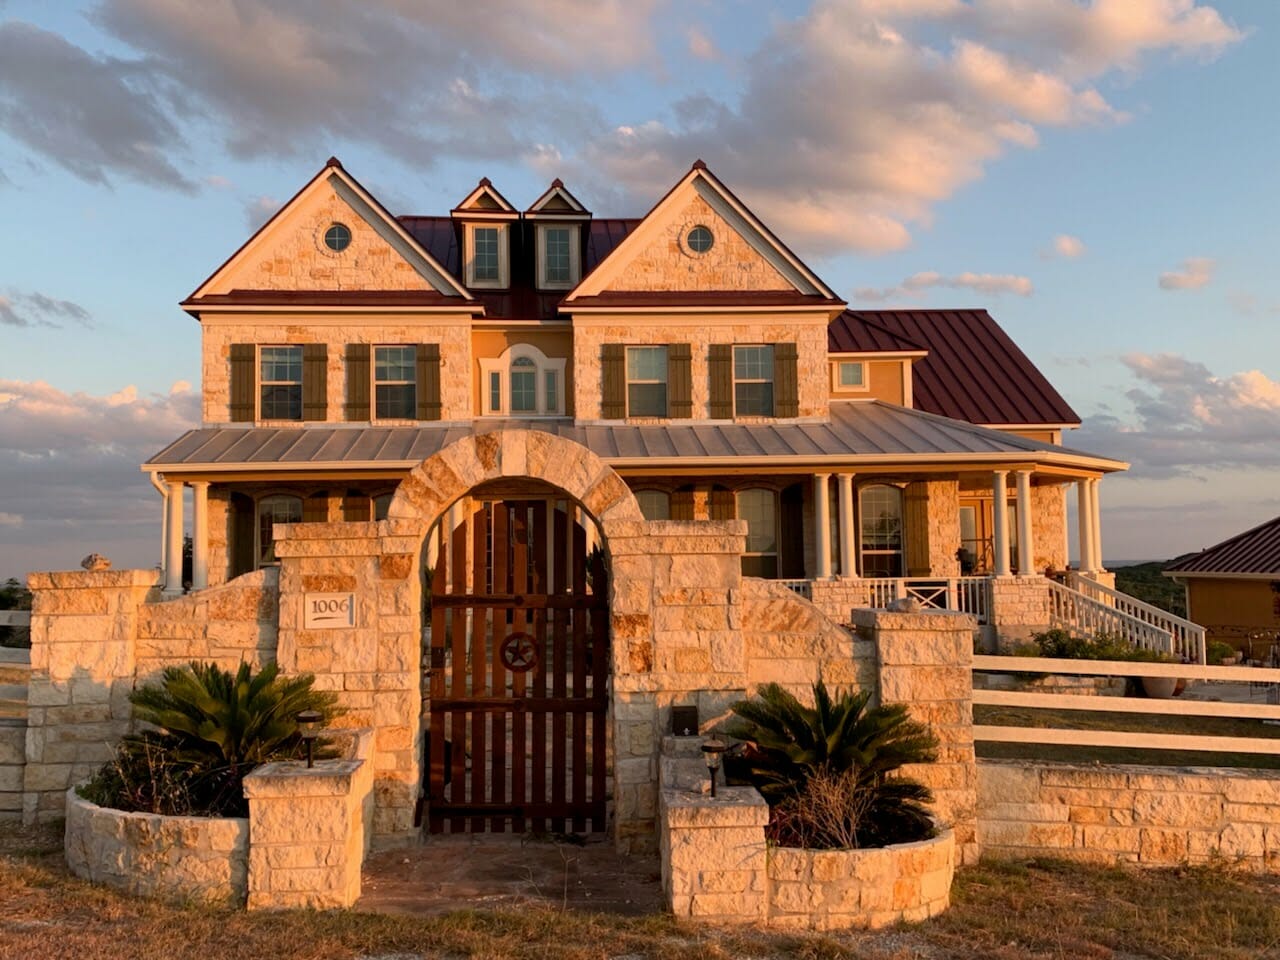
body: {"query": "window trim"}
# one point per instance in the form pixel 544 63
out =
pixel 863 550
pixel 500 366
pixel 733 370
pixel 259 383
pixel 504 256
pixel 575 256
pixel 258 562
pixel 374 382
pixel 627 381
pixel 840 387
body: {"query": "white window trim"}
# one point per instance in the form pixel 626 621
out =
pixel 373 382
pixel 502 367
pixel 860 546
pixel 839 387
pixel 627 381
pixel 733 360
pixel 575 266
pixel 504 256
pixel 259 383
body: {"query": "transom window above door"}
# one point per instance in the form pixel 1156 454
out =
pixel 753 381
pixel 522 382
pixel 646 381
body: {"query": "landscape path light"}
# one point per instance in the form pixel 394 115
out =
pixel 712 752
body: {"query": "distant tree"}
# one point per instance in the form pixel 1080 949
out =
pixel 1147 583
pixel 14 596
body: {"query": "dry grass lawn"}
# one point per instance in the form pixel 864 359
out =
pixel 1001 911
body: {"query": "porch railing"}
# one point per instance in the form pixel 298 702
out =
pixel 1188 639
pixel 801 588
pixel 965 594
pixel 1076 611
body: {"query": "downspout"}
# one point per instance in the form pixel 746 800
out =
pixel 164 520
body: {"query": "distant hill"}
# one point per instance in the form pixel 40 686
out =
pixel 1144 581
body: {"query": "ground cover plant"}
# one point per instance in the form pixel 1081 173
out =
pixel 831 773
pixel 207 730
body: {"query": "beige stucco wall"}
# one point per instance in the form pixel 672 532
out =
pixel 807 331
pixel 453 336
pixel 885 379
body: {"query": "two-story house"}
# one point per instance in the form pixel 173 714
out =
pixel 690 349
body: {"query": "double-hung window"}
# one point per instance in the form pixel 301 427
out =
pixel 395 383
pixel 278 508
pixel 280 383
pixel 753 381
pixel 524 385
pixel 485 264
pixel 881 509
pixel 646 381
pixel 558 262
pixel 760 509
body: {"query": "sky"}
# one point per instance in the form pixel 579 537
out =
pixel 1099 175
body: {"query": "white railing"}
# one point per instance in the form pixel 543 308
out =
pixel 1059 736
pixel 801 588
pixel 1188 637
pixel 1078 612
pixel 965 594
pixel 15 618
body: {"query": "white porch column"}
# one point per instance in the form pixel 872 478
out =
pixel 199 534
pixel 1084 515
pixel 822 525
pixel 173 550
pixel 1096 514
pixel 848 546
pixel 1026 541
pixel 1000 520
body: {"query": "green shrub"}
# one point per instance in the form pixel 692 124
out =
pixel 1219 651
pixel 1060 644
pixel 211 729
pixel 830 772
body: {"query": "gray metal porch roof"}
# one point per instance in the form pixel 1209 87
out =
pixel 859 432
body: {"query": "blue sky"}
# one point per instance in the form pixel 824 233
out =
pixel 1099 175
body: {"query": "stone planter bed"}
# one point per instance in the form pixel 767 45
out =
pixel 872 888
pixel 184 858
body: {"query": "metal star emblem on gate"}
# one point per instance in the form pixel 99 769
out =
pixel 519 653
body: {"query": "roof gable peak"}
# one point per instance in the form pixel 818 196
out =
pixel 556 201
pixel 486 201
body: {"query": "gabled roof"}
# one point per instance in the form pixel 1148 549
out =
pixel 702 182
pixel 486 201
pixel 363 204
pixel 973 371
pixel 1254 553
pixel 557 202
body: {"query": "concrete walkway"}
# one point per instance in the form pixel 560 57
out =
pixel 496 871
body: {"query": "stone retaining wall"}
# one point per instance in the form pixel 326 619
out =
pixel 180 858
pixel 13 764
pixel 1151 816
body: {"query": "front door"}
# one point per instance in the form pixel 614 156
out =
pixel 518 663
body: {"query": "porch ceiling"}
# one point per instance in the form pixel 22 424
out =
pixel 859 434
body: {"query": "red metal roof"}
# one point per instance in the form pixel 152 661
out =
pixel 702 298
pixel 973 371
pixel 327 298
pixel 1254 552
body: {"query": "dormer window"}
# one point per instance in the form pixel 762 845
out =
pixel 523 382
pixel 486 250
pixel 558 256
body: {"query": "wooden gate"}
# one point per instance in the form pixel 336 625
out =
pixel 518 665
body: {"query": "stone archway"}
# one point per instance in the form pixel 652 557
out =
pixel 419 503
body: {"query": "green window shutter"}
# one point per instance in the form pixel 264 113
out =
pixel 720 369
pixel 357 406
pixel 315 382
pixel 315 508
pixel 428 358
pixel 243 407
pixel 786 387
pixel 724 505
pixel 679 381
pixel 613 372
pixel 682 504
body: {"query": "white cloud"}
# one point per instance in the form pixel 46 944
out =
pixel 1192 274
pixel 700 45
pixel 10 519
pixel 259 210
pixel 987 283
pixel 1066 246
pixel 35 309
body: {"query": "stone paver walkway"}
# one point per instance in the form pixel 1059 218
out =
pixel 495 871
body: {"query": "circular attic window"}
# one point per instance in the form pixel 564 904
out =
pixel 338 237
pixel 699 239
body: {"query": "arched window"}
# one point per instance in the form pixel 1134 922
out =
pixel 522 382
pixel 654 504
pixel 277 508
pixel 880 507
pixel 760 509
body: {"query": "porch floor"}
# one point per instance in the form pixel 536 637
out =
pixel 450 872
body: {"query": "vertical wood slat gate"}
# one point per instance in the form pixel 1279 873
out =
pixel 518 668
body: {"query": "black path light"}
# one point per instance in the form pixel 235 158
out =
pixel 309 722
pixel 712 752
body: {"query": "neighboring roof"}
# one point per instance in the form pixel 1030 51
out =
pixel 973 371
pixel 861 432
pixel 1255 553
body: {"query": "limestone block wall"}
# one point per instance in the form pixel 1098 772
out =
pixel 453 336
pixel 84 628
pixel 1150 816
pixel 1049 526
pixel 178 858
pixel 925 661
pixel 714 854
pixel 807 331
pixel 13 763
pixel 837 598
pixel 1019 607
pixel 226 624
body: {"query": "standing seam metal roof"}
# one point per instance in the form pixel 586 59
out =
pixel 1256 551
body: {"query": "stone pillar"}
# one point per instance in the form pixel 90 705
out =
pixel 1084 516
pixel 307 833
pixel 848 543
pixel 1000 521
pixel 199 534
pixel 84 629
pixel 822 526
pixel 173 550
pixel 714 855
pixel 1026 539
pixel 926 661
pixel 1095 515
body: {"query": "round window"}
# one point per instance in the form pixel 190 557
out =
pixel 699 239
pixel 338 237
